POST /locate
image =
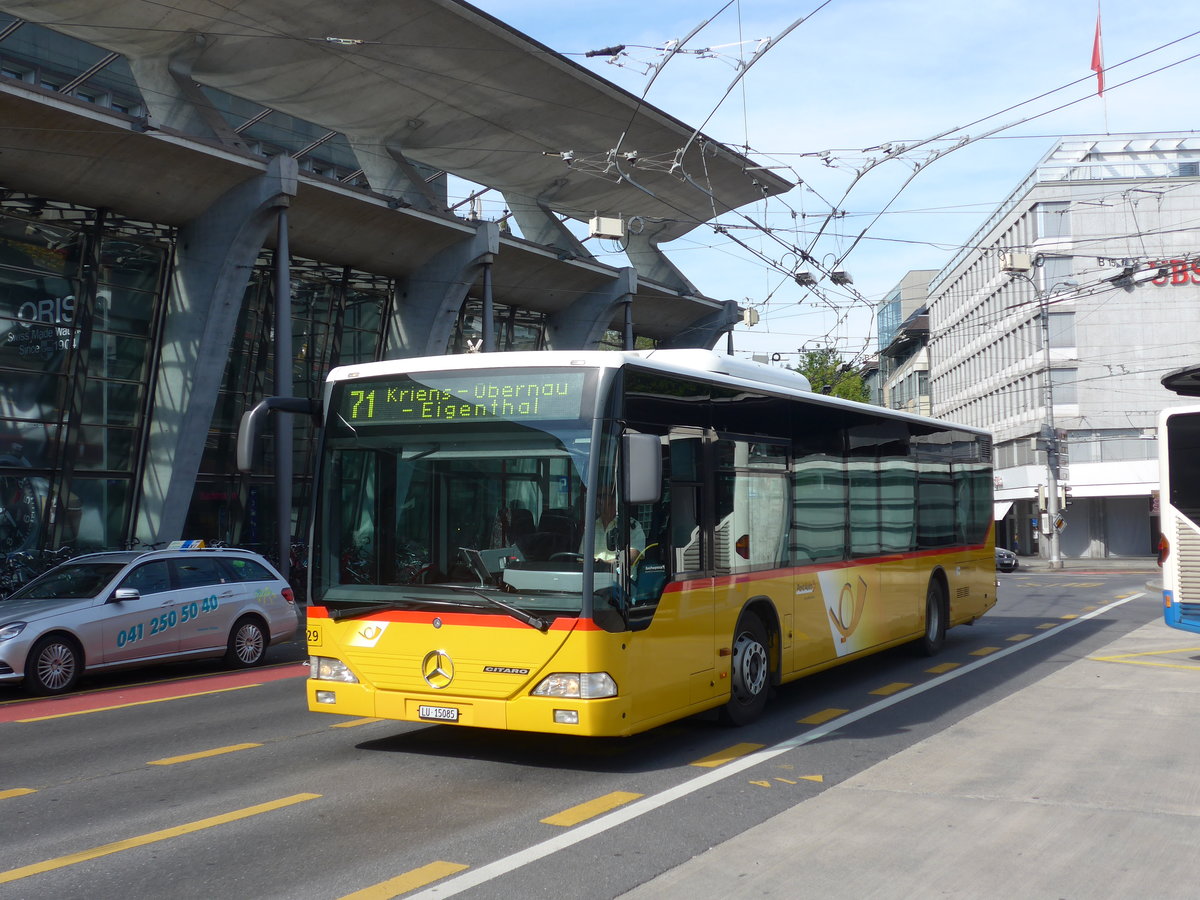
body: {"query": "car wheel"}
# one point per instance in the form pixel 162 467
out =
pixel 750 682
pixel 247 643
pixel 935 619
pixel 53 666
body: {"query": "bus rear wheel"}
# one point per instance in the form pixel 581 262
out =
pixel 934 637
pixel 750 680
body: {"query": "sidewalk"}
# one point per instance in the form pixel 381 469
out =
pixel 1131 564
pixel 1082 785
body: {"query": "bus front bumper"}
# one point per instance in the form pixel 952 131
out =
pixel 551 715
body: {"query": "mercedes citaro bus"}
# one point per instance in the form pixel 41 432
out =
pixel 596 543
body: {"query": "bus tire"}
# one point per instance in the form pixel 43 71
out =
pixel 934 637
pixel 247 643
pixel 750 676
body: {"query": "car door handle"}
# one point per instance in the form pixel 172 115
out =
pixel 227 594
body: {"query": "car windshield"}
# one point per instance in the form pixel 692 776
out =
pixel 70 581
pixel 482 501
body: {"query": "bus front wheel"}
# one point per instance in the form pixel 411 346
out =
pixel 750 680
pixel 935 618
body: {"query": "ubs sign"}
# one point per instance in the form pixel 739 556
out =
pixel 1176 271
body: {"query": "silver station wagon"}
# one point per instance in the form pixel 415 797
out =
pixel 113 610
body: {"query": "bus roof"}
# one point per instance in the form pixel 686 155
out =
pixel 717 367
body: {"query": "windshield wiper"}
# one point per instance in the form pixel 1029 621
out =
pixel 542 625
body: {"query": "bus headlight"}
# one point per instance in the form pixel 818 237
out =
pixel 325 668
pixel 577 685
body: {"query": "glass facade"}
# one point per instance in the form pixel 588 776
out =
pixel 83 297
pixel 77 315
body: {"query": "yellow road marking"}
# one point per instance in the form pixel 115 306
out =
pixel 822 717
pixel 1132 659
pixel 409 881
pixel 985 651
pixel 84 712
pixel 1019 637
pixel 153 837
pixel 591 809
pixel 1090 608
pixel 203 754
pixel 888 689
pixel 943 668
pixel 1046 625
pixel 16 792
pixel 723 756
pixel 354 723
pixel 137 684
pixel 765 783
pixel 1069 616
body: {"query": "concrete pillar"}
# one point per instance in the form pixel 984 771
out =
pixel 173 100
pixel 214 256
pixel 582 324
pixel 389 172
pixel 540 225
pixel 428 302
pixel 704 333
pixel 652 264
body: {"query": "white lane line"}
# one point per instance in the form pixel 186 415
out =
pixel 476 877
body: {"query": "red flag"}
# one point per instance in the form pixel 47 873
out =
pixel 1098 59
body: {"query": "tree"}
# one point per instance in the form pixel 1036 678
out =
pixel 828 374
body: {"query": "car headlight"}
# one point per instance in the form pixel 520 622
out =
pixel 326 668
pixel 577 685
pixel 11 630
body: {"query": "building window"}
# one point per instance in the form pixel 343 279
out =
pixel 889 321
pixel 1053 220
pixel 1063 382
pixel 1062 329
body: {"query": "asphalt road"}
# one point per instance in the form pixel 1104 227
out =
pixel 181 782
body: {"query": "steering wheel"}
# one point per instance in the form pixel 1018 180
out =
pixel 565 556
pixel 641 555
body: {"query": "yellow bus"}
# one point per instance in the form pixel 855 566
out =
pixel 597 543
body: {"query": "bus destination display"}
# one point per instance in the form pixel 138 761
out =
pixel 467 396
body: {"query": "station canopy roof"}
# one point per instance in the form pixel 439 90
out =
pixel 444 84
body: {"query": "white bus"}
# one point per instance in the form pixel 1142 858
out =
pixel 1179 500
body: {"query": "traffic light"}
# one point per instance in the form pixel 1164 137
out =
pixel 1042 497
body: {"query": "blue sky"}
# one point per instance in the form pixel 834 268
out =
pixel 860 73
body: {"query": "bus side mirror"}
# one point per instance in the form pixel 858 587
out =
pixel 253 421
pixel 643 467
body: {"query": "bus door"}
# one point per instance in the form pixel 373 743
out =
pixel 750 535
pixel 674 640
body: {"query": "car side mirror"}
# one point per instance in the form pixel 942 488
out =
pixel 126 594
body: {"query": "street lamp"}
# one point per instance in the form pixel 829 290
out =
pixel 1020 269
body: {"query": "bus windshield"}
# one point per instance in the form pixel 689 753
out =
pixel 1183 461
pixel 463 488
